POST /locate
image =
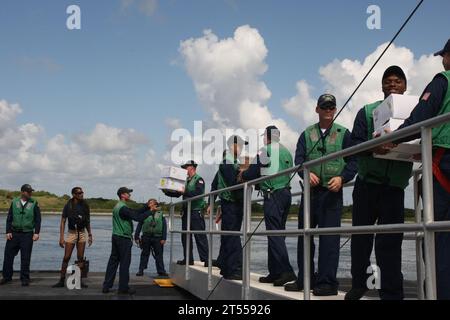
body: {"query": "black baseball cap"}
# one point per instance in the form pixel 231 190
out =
pixel 395 71
pixel 446 49
pixel 189 163
pixel 123 190
pixel 236 140
pixel 326 101
pixel 272 131
pixel 26 188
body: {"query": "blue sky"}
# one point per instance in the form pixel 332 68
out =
pixel 123 68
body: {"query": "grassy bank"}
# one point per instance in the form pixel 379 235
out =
pixel 51 203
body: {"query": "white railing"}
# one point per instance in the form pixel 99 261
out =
pixel 423 229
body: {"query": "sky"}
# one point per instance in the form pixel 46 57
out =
pixel 96 106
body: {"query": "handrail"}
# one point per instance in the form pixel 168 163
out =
pixel 423 229
pixel 365 146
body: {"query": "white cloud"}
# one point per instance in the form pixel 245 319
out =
pixel 341 77
pixel 100 161
pixel 227 78
pixel 108 139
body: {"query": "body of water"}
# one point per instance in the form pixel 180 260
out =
pixel 47 255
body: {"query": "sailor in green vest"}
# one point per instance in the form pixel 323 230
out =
pixel 327 181
pixel 271 159
pixel 435 101
pixel 23 225
pixel 154 236
pixel 122 241
pixel 195 186
pixel 231 204
pixel 378 197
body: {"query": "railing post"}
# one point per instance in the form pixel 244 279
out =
pixel 306 236
pixel 188 240
pixel 246 249
pixel 210 241
pixel 428 212
pixel 171 214
pixel 419 251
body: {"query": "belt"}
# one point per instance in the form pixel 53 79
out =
pixel 437 172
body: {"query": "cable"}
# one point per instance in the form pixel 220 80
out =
pixel 327 132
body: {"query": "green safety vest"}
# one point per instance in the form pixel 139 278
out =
pixel 279 160
pixel 153 225
pixel 441 135
pixel 121 227
pixel 231 196
pixel 190 187
pixel 23 216
pixel 382 171
pixel 333 143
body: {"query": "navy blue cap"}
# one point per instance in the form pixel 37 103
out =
pixel 123 190
pixel 189 163
pixel 26 188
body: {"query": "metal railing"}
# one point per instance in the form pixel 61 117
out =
pixel 424 230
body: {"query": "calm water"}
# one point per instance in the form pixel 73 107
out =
pixel 47 254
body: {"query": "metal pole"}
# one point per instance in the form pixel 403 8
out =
pixel 306 237
pixel 188 240
pixel 245 266
pixel 419 252
pixel 171 213
pixel 210 242
pixel 428 212
pixel 249 240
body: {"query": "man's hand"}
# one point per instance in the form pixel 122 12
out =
pixel 90 240
pixel 9 236
pixel 313 180
pixel 162 242
pixel 35 237
pixel 208 210
pixel 61 242
pixel 335 184
pixel 138 242
pixel 240 179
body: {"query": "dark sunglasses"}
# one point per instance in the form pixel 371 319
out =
pixel 79 192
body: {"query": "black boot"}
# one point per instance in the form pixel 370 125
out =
pixel 60 283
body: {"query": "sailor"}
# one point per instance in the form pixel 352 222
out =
pixel 327 181
pixel 378 197
pixel 23 225
pixel 435 100
pixel 122 242
pixel 271 159
pixel 232 210
pixel 195 186
pixel 153 239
